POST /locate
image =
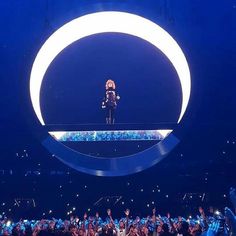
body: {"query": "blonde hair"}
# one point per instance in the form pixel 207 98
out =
pixel 112 82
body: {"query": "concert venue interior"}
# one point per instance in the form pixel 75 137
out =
pixel 172 146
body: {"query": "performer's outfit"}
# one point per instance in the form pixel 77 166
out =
pixel 110 104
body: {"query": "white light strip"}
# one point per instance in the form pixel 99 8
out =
pixel 103 22
pixel 58 135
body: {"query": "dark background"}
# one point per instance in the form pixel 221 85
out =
pixel 204 161
pixel 74 86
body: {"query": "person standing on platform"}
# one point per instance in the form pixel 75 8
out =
pixel 110 101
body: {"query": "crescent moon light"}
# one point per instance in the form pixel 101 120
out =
pixel 104 22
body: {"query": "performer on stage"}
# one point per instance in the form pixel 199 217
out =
pixel 110 101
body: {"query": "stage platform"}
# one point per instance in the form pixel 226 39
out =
pixel 114 132
pixel 116 140
pixel 117 126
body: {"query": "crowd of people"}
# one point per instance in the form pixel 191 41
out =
pixel 210 224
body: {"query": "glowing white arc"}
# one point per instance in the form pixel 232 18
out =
pixel 102 22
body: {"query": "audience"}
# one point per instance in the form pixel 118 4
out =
pixel 216 224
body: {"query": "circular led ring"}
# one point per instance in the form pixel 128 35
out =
pixel 104 22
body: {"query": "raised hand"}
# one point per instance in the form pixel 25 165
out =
pixel 127 211
pixel 231 219
pixel 201 211
pixel 154 211
pixel 109 212
pixel 213 228
pixel 232 195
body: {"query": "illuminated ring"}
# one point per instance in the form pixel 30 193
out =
pixel 104 22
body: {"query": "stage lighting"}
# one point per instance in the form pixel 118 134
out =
pixel 8 223
pixel 217 213
pixel 109 22
pixel 104 22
